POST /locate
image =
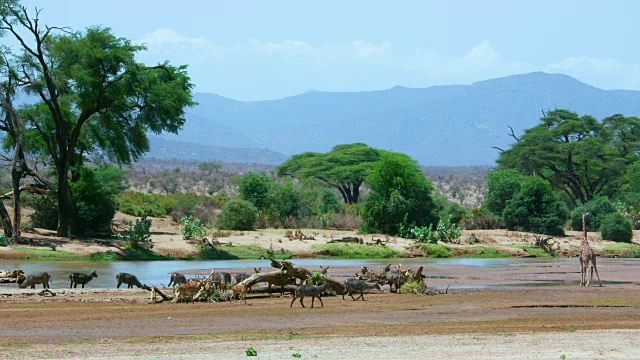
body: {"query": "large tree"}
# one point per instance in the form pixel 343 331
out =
pixel 95 99
pixel 400 193
pixel 344 167
pixel 578 155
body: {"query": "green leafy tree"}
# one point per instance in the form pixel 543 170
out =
pixel 344 167
pixel 536 208
pixel 238 215
pixel 209 167
pixel 257 189
pixel 95 98
pixel 400 193
pixel 167 180
pixel 598 209
pixel 502 185
pixel 577 155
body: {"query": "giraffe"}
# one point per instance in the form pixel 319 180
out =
pixel 586 255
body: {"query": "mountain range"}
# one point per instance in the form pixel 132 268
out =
pixel 452 125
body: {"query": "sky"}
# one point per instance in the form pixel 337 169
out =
pixel 260 50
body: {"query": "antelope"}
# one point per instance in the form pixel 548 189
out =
pixel 177 279
pixel 360 285
pixel 130 280
pixel 314 291
pixel 36 278
pixel 79 278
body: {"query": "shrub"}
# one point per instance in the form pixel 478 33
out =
pixel 316 278
pixel 479 219
pixel 617 228
pixel 192 228
pixel 535 208
pixel 138 235
pixel 238 215
pixel 597 208
pixel 3 240
pixel 448 231
pixel 92 200
pixel 139 204
pixel 456 212
pixel 45 210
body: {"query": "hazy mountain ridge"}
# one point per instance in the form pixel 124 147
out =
pixel 439 125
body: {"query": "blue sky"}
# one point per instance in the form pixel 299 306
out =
pixel 255 50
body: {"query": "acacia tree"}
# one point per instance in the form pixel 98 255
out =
pixel 577 155
pixel 94 97
pixel 344 167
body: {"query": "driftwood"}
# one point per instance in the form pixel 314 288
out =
pixel 297 235
pixel 544 243
pixel 286 270
pixel 11 276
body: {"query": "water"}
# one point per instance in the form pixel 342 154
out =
pixel 156 273
pixel 152 273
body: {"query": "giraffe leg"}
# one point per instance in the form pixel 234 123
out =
pixel 581 272
pixel 586 273
pixel 593 261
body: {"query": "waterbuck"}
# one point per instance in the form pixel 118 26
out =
pixel 315 291
pixel 130 280
pixel 177 279
pixel 393 278
pixel 353 284
pixel 79 278
pixel 36 278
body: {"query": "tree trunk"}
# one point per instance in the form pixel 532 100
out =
pixel 63 203
pixel 6 221
pixel 15 180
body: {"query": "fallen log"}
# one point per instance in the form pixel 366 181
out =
pixel 347 239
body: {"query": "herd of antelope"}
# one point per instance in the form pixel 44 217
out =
pixel 223 280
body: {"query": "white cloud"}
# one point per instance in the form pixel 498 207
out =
pixel 366 49
pixel 294 66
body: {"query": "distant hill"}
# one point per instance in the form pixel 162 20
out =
pixel 440 125
pixel 170 149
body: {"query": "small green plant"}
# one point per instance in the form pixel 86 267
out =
pixel 251 352
pixel 448 231
pixel 138 235
pixel 192 228
pixel 3 240
pixel 296 355
pixel 316 278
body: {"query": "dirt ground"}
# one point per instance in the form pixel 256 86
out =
pixel 528 311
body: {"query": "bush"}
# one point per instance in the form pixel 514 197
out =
pixel 139 204
pixel 3 240
pixel 137 236
pixel 192 228
pixel 479 219
pixel 617 228
pixel 598 209
pixel 45 210
pixel 456 212
pixel 502 186
pixel 535 208
pixel 238 215
pixel 92 200
pixel 448 231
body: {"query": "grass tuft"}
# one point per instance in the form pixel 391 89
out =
pixel 356 251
